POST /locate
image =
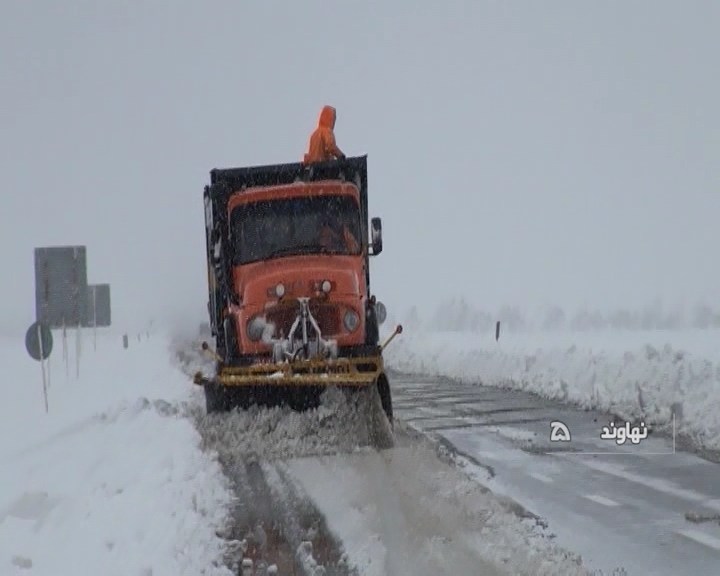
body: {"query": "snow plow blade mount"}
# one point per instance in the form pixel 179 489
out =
pixel 343 372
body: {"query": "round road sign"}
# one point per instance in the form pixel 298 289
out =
pixel 38 338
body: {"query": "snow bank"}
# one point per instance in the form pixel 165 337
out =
pixel 112 480
pixel 344 421
pixel 338 424
pixel 639 374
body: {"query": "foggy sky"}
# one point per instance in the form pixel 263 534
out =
pixel 524 153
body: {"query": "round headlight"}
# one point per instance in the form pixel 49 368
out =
pixel 280 290
pixel 255 329
pixel 351 320
pixel 326 286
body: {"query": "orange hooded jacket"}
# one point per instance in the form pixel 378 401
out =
pixel 322 141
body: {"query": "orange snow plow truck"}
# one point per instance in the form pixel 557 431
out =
pixel 291 310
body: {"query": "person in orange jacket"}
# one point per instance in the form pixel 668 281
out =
pixel 322 141
pixel 336 236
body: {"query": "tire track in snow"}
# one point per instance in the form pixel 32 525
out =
pixel 304 523
pixel 408 512
pixel 275 524
pixel 273 521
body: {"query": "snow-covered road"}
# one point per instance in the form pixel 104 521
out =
pixel 643 507
pixel 308 482
pixel 407 511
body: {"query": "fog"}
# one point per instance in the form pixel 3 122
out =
pixel 519 153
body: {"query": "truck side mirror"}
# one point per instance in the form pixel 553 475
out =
pixel 376 235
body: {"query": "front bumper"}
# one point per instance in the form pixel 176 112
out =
pixel 354 372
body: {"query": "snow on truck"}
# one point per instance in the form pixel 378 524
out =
pixel 291 310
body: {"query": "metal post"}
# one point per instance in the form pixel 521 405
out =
pixel 42 365
pixel 66 356
pixel 49 379
pixel 77 352
pixel 94 319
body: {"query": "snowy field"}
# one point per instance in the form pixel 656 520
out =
pixel 648 375
pixel 112 479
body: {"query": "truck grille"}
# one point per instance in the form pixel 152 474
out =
pixel 326 315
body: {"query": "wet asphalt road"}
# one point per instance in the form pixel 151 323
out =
pixel 649 508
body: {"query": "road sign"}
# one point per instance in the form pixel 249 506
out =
pixel 38 341
pixel 61 285
pixel 98 305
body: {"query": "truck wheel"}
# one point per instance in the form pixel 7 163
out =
pixel 215 399
pixel 218 398
pixel 385 396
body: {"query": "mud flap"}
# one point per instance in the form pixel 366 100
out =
pixel 383 387
pixel 381 428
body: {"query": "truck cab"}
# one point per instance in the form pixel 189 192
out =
pixel 280 245
pixel 301 240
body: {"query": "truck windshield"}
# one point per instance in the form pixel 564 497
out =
pixel 308 225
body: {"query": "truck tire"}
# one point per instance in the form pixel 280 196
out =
pixel 218 398
pixel 215 399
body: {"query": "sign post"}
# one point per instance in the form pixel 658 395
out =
pixel 66 356
pixel 39 344
pixel 63 297
pixel 77 351
pixel 48 373
pixel 94 303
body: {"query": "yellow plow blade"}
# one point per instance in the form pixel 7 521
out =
pixel 361 371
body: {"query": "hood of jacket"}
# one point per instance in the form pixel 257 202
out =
pixel 327 117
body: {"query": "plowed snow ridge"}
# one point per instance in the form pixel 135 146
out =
pixel 644 375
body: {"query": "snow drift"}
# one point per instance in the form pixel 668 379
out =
pixel 642 374
pixel 112 480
